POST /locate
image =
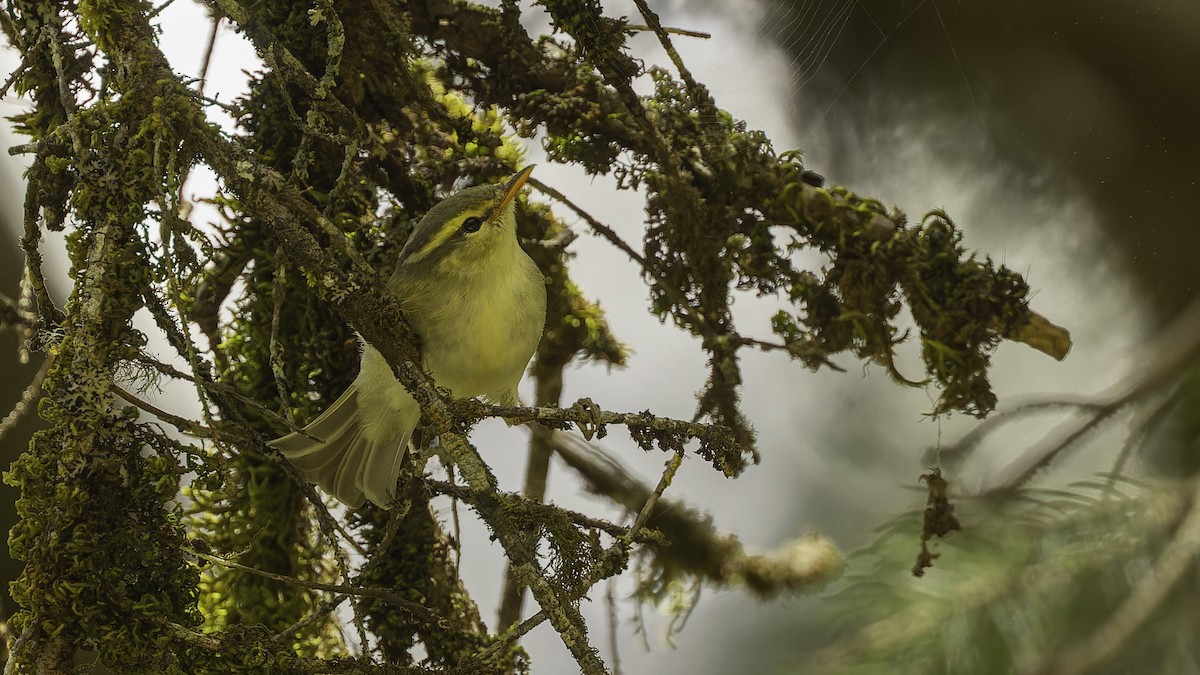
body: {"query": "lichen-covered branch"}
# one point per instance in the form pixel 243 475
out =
pixel 717 444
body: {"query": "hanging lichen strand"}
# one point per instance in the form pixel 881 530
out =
pixel 362 117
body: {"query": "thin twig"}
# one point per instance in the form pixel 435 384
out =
pixel 611 562
pixel 667 29
pixel 208 52
pixel 27 397
pixel 957 452
pixel 610 606
pixel 696 319
pixel 198 92
pixel 158 10
pixel 566 618
pixel 397 514
pixel 33 277
pixel 319 613
pixel 178 338
pixel 1042 457
pixel 597 226
pixel 183 344
pixel 794 350
pixel 396 517
pixel 1150 419
pixel 218 388
pixel 665 40
pixel 183 424
pixel 509 636
pixel 414 609
pixel 21 67
pixel 663 483
pixel 1166 362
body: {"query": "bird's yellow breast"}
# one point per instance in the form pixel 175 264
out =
pixel 479 331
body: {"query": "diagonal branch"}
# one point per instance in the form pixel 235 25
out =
pixel 1160 368
pixel 717 444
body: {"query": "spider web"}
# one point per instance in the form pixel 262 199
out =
pixel 770 61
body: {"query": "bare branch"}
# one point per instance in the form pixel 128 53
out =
pixel 1164 364
pixel 673 31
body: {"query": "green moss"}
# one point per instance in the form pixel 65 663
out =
pixel 419 562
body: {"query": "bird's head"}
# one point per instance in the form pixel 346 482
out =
pixel 465 228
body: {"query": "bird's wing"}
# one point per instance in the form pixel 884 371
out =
pixel 350 460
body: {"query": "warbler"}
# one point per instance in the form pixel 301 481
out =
pixel 478 304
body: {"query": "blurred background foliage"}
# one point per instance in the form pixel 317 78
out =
pixel 1078 570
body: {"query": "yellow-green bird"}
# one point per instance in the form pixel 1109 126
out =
pixel 478 303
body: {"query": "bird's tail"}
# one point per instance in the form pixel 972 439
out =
pixel 350 458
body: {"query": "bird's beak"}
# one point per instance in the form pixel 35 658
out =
pixel 511 190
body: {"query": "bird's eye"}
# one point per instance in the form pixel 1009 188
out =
pixel 472 224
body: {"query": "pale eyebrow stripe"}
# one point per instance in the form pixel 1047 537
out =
pixel 438 239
